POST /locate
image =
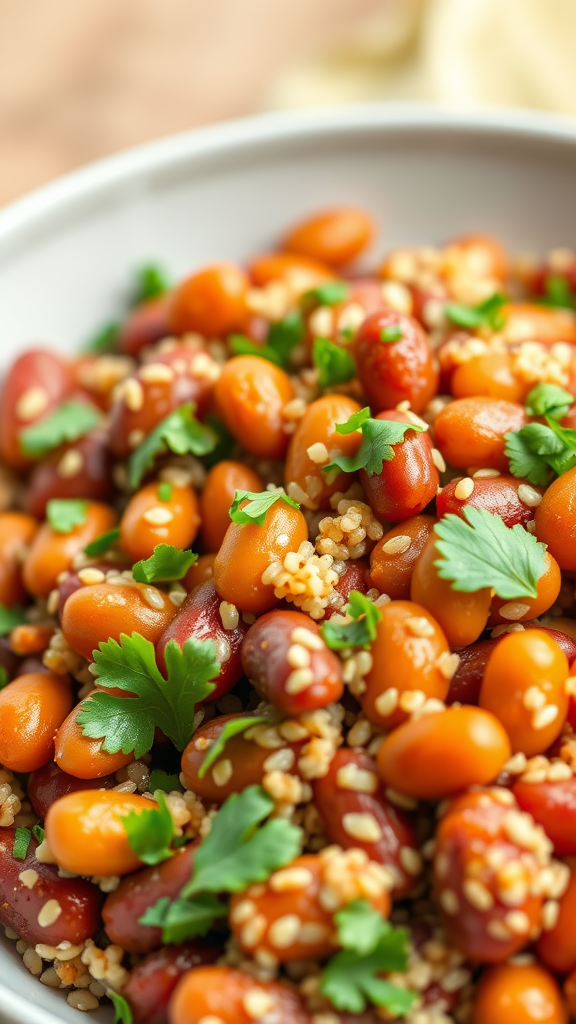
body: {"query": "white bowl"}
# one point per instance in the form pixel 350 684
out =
pixel 67 251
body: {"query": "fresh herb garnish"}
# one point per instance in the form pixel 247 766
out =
pixel 378 436
pixel 122 1011
pixel 150 282
pixel 38 833
pixel 182 919
pixel 230 729
pixel 3 677
pixel 371 946
pixel 391 333
pixel 558 293
pixel 161 780
pixel 258 505
pixel 22 839
pixel 10 618
pixel 150 833
pixel 240 345
pixel 536 449
pixel 164 492
pixel 128 723
pixel 329 294
pixel 165 564
pixel 335 365
pixel 180 432
pixel 65 514
pixel 104 340
pixel 103 543
pixel 483 552
pixel 285 334
pixel 485 314
pixel 548 400
pixel 360 632
pixel 67 423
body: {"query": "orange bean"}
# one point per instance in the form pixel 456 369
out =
pixel 16 533
pixel 462 616
pixel 527 608
pixel 51 553
pixel 556 946
pixel 149 520
pixel 200 572
pixel 32 707
pixel 85 833
pixel 222 482
pixel 556 520
pixel 393 559
pixel 81 756
pixel 209 994
pixel 297 272
pixel 335 237
pixel 470 431
pixel 251 394
pixel 103 611
pixel 518 994
pixel 212 301
pixel 318 427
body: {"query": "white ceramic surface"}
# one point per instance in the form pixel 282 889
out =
pixel 66 252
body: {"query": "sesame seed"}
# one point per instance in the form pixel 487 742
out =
pixel 133 394
pixel 291 880
pixel 242 911
pixel 298 680
pixel 152 597
pixel 266 736
pixel 306 638
pixel 529 496
pixel 211 1019
pixel 298 656
pixel 477 894
pixel 284 931
pixel 28 878
pixel 438 460
pixel 292 731
pixel 229 615
pixel 135 437
pixel 70 464
pixel 281 760
pixel 449 901
pixel 156 373
pixel 533 698
pixel 464 488
pixel 49 913
pixel 517 921
pixel 322 322
pixel 480 473
pixel 410 860
pixel 32 403
pixel 520 828
pixel 363 827
pixel 359 780
pixel 222 772
pixel 253 931
pixel 516 764
pixel 559 771
pixel 419 626
pixel 498 930
pixel 387 701
pixel 455 980
pixel 514 610
pixel 544 717
pixel 89 576
pixel 397 545
pixel 318 453
pixel 412 700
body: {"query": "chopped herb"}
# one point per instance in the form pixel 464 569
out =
pixel 548 400
pixel 65 514
pixel 536 449
pixel 164 492
pixel 128 723
pixel 558 293
pixel 347 333
pixel 258 505
pixel 360 632
pixel 182 919
pixel 485 314
pixel 103 543
pixel 151 282
pixel 104 340
pixel 329 294
pixel 11 617
pixel 285 334
pixel 68 422
pixel 161 780
pixel 242 346
pixel 378 436
pixel 335 365
pixel 38 833
pixel 230 729
pixel 392 333
pixel 22 839
pixel 165 564
pixel 3 677
pixel 179 432
pixel 122 1011
pixel 483 552
pixel 150 833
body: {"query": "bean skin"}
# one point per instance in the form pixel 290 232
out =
pixel 470 431
pixel 397 371
pixel 266 652
pixel 250 396
pixel 104 611
pixel 79 470
pixel 556 520
pixel 498 495
pixel 518 994
pixel 223 993
pixel 298 272
pixel 179 520
pixel 491 374
pixel 334 237
pixel 556 947
pixel 462 616
pixel 318 426
pixel 352 786
pixel 36 383
pixel 553 806
pixel 125 906
pixel 222 482
pixel 32 707
pixel 83 757
pixel 200 572
pixel 52 553
pixel 547 587
pixel 16 533
pixel 406 483
pixel 49 783
pixel 79 900
pixel 391 571
pixel 356 576
pixel 152 982
pixel 211 301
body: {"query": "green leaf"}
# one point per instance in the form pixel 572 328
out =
pixel 38 833
pixel 378 436
pixel 11 617
pixel 329 294
pixel 392 333
pixel 548 400
pixel 22 839
pixel 103 543
pixel 70 421
pixel 360 927
pixel 3 677
pixel 225 443
pixel 179 432
pixel 242 346
pixel 558 293
pixel 122 1011
pixel 65 514
pixel 485 314
pixel 351 978
pixel 335 365
pixel 230 729
pixel 166 563
pixel 257 507
pixel 537 448
pixel 150 283
pixel 150 833
pixel 164 492
pixel 483 552
pixel 285 334
pixel 128 723
pixel 360 632
pixel 161 780
pixel 182 919
pixel 236 853
pixel 104 340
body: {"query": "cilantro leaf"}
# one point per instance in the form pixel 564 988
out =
pixel 378 436
pixel 391 333
pixel 285 334
pixel 151 832
pixel 22 839
pixel 558 293
pixel 537 448
pixel 360 927
pixel 329 294
pixel 230 729
pixel 335 365
pixel 485 314
pixel 165 490
pixel 103 543
pixel 38 833
pixel 182 919
pixel 165 563
pixel 483 552
pixel 161 780
pixel 258 505
pixel 128 723
pixel 11 617
pixel 236 853
pixel 360 632
pixel 70 421
pixel 122 1011
pixel 242 346
pixel 180 432
pixel 104 340
pixel 65 514
pixel 548 400
pixel 150 283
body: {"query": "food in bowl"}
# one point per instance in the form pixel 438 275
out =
pixel 287 604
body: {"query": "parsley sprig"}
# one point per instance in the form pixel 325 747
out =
pixel 334 363
pixel 480 551
pixel 69 422
pixel 257 507
pixel 150 833
pixel 485 314
pixel 122 1011
pixel 378 437
pixel 166 563
pixel 150 282
pixel 371 946
pixel 180 432
pixel 128 723
pixel 538 450
pixel 360 631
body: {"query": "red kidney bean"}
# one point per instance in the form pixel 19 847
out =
pixel 152 982
pixel 351 801
pixel 76 902
pixel 35 384
pixel 79 470
pixel 200 617
pixel 146 324
pixel 395 371
pixel 49 783
pixel 355 577
pixel 393 559
pixel 498 494
pixel 556 947
pixel 286 659
pixel 409 481
pixel 552 804
pixel 123 908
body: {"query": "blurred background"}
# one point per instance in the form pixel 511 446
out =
pixel 80 79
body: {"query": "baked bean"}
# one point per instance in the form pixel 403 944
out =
pixel 151 983
pixel 222 482
pixel 471 431
pixel 79 470
pixel 200 572
pixel 146 324
pixel 250 395
pixel 524 686
pixel 49 783
pixel 16 533
pixel 392 560
pixel 52 553
pixel 518 994
pixel 298 273
pixel 395 371
pixel 229 996
pixel 81 756
pixel 335 237
pixel 556 520
pixel 527 608
pixel 556 946
pixel 248 550
pixel 103 611
pixel 212 301
pixel 314 443
pixel 32 707
pixel 288 663
pixel 36 383
pixel 406 483
pixel 500 495
pixel 440 754
pixel 149 520
pixel 40 905
pixel 462 616
pixel 410 663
